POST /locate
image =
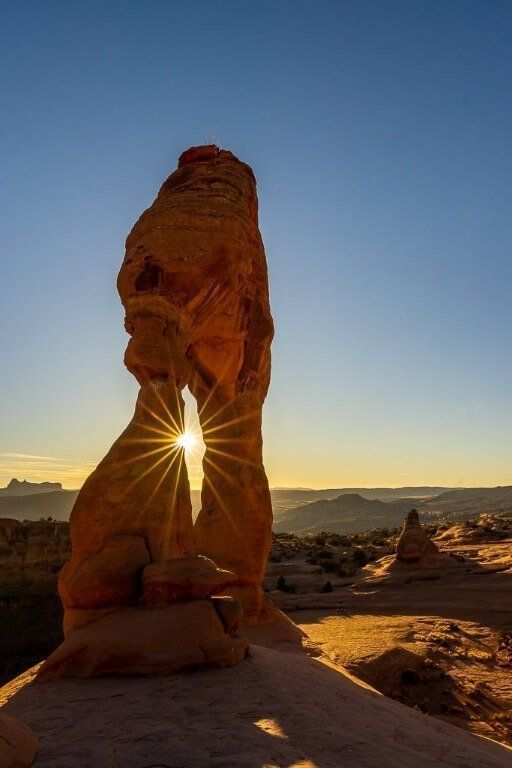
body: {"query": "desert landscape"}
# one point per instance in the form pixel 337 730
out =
pixel 426 635
pixel 255 412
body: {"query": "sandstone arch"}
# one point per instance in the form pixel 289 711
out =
pixel 195 291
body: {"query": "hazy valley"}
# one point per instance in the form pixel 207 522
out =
pixel 299 510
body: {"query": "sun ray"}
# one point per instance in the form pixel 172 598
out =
pixel 156 430
pixel 230 423
pixel 187 440
pixel 222 505
pixel 213 389
pixel 209 460
pixel 210 440
pixel 152 440
pixel 164 475
pixel 176 483
pixel 159 418
pixel 169 413
pixel 170 519
pixel 232 456
pixel 214 415
pixel 148 470
pixel 146 455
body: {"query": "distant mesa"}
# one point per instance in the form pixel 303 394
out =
pixel 25 488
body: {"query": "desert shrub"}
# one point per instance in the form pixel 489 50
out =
pixel 359 558
pixel 330 566
pixel 282 586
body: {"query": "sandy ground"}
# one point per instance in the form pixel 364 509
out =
pixel 430 639
pixel 278 708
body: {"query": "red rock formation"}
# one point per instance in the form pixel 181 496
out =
pixel 150 641
pixel 414 545
pixel 194 287
pixel 131 511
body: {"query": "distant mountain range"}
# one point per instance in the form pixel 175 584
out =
pixel 348 513
pixel 340 510
pixel 35 506
pixel 284 499
pixel 351 512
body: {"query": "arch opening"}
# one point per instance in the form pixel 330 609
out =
pixel 194 449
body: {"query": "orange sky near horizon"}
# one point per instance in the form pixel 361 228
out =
pixel 381 470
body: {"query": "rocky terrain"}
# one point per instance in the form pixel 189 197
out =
pixel 439 641
pixel 279 707
pixel 436 638
pixel 31 555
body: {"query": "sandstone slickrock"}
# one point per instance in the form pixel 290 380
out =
pixel 147 641
pixel 18 743
pixel 195 291
pixel 276 709
pixel 414 545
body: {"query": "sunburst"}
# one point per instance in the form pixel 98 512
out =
pixel 172 441
pixel 187 440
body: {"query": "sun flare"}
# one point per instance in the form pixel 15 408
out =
pixel 187 440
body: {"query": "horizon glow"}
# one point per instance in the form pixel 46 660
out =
pixel 379 136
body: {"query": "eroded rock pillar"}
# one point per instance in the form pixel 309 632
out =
pixel 139 593
pixel 235 521
pixel 132 510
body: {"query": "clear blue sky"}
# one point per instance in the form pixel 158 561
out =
pixel 380 134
